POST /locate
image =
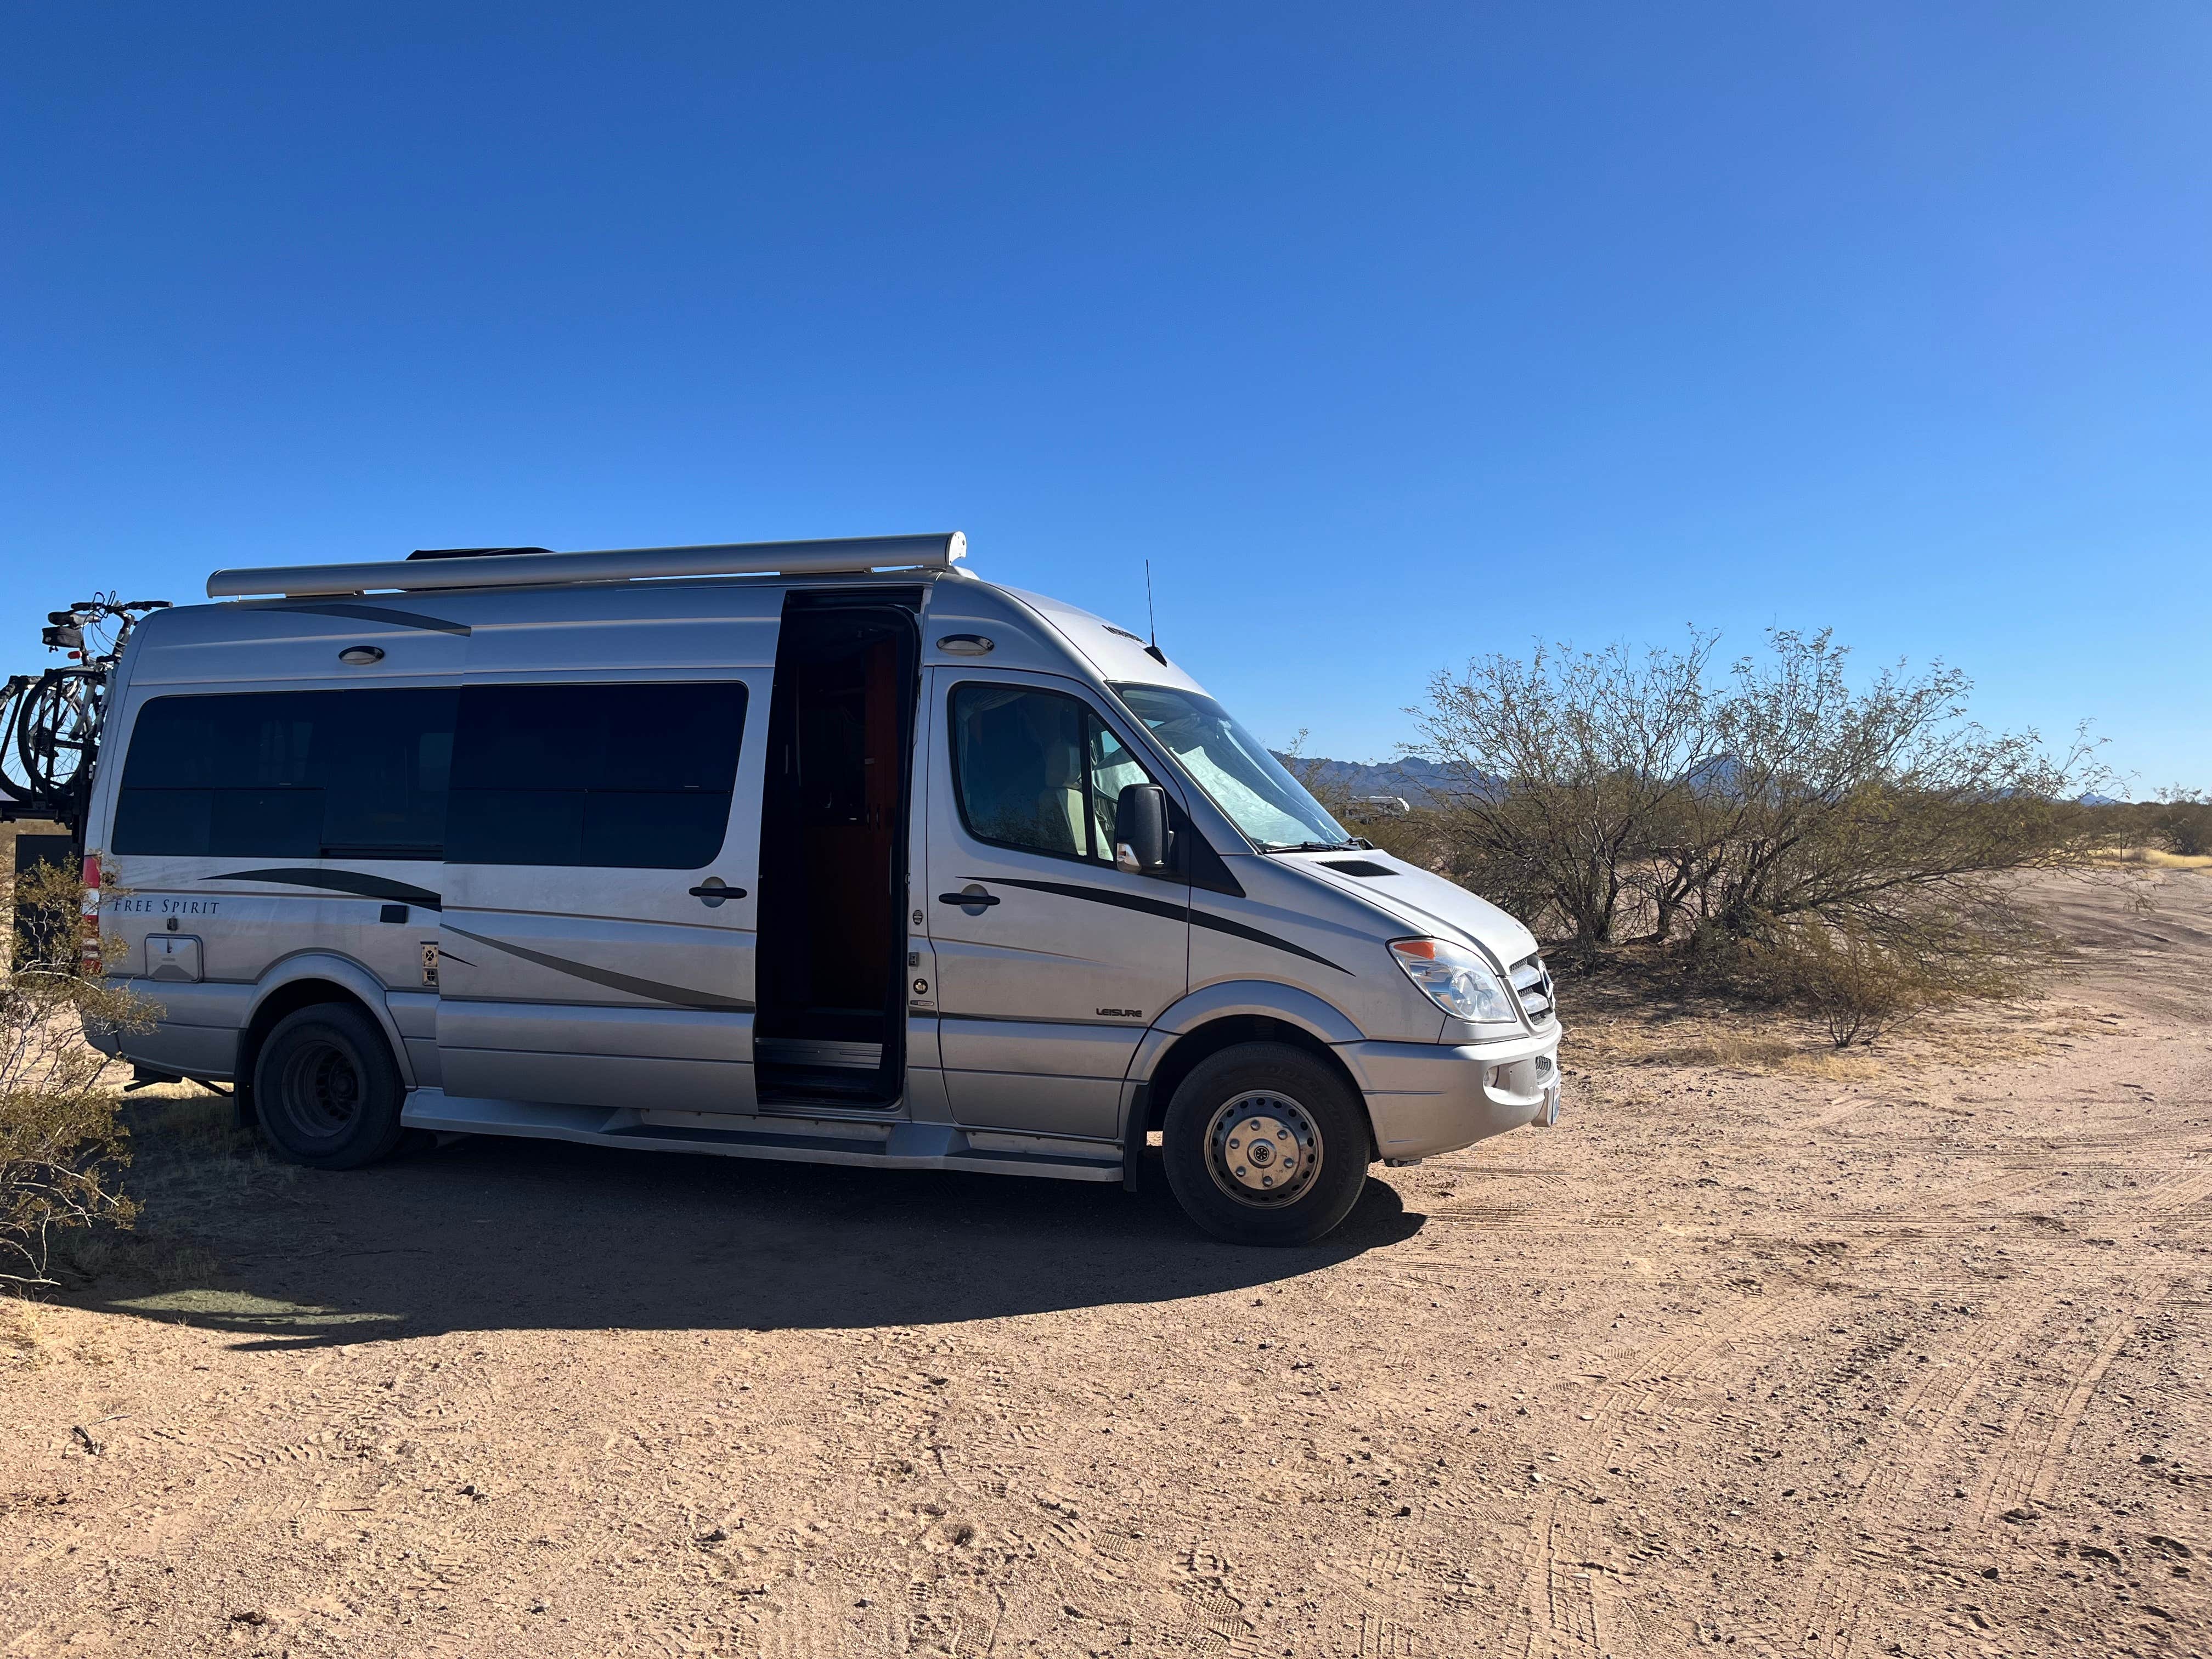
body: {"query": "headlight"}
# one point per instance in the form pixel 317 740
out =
pixel 1456 979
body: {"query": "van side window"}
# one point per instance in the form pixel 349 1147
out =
pixel 302 774
pixel 628 777
pixel 1037 770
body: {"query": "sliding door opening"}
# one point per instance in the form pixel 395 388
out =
pixel 832 967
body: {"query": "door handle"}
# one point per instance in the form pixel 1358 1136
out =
pixel 714 891
pixel 974 895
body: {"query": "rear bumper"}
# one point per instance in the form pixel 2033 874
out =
pixel 1425 1098
pixel 195 1030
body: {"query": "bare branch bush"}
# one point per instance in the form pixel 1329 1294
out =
pixel 61 1144
pixel 1564 767
pixel 1853 847
pixel 1868 808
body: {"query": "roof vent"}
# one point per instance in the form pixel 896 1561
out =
pixel 471 552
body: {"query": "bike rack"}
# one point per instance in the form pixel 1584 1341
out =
pixel 33 740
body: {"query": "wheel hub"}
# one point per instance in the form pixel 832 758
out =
pixel 1263 1148
pixel 322 1089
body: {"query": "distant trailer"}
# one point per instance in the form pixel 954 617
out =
pixel 1379 807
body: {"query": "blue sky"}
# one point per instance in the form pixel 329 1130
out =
pixel 1389 334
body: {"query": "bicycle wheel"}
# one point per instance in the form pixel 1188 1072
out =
pixel 57 729
pixel 15 781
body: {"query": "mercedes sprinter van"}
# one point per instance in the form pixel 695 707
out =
pixel 821 851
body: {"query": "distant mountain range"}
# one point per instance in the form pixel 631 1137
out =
pixel 1420 782
pixel 1416 781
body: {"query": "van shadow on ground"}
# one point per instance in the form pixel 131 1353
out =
pixel 491 1234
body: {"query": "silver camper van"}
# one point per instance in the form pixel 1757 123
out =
pixel 821 851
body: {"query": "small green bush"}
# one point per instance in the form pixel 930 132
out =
pixel 61 1146
pixel 2182 821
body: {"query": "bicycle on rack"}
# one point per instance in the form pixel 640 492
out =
pixel 50 722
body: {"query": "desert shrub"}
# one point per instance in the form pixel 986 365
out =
pixel 1870 810
pixel 1592 788
pixel 1421 836
pixel 2180 822
pixel 1566 767
pixel 1859 984
pixel 1849 984
pixel 1417 836
pixel 1776 815
pixel 61 1146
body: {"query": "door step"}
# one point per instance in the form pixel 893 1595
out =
pixel 784 1137
pixel 815 1051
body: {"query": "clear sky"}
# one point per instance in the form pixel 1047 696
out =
pixel 1391 334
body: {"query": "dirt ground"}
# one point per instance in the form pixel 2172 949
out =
pixel 1903 1356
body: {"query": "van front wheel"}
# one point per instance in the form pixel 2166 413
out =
pixel 327 1089
pixel 1265 1145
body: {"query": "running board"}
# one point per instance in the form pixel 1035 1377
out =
pixel 791 1139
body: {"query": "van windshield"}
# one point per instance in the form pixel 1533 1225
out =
pixel 1235 770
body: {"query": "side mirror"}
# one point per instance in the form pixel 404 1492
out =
pixel 1142 841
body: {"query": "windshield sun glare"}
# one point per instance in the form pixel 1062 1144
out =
pixel 1234 769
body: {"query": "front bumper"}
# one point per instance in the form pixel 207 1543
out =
pixel 1425 1098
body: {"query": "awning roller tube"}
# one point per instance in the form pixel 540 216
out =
pixel 815 558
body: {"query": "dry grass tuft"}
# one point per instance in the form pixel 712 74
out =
pixel 2157 859
pixel 1611 1024
pixel 191 1158
pixel 190 1152
pixel 1752 1046
pixel 22 1334
pixel 148 1258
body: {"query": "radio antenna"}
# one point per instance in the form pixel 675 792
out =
pixel 1153 620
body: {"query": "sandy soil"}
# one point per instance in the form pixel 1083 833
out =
pixel 1897 1358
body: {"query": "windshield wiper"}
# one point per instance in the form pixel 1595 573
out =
pixel 1308 846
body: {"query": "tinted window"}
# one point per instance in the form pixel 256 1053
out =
pixel 620 776
pixel 1037 770
pixel 288 774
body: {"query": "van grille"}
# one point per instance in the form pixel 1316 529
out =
pixel 1532 983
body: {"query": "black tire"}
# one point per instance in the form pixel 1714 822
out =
pixel 12 702
pixel 327 1089
pixel 1293 1183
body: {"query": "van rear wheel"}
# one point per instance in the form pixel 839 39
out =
pixel 1265 1145
pixel 326 1090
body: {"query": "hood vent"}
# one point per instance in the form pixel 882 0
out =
pixel 1358 866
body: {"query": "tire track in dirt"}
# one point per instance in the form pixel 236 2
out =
pixel 1882 1484
pixel 1562 1613
pixel 2027 1476
pixel 1564 1610
pixel 2182 1192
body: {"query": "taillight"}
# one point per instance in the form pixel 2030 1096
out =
pixel 89 949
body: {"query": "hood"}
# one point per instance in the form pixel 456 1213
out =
pixel 1423 901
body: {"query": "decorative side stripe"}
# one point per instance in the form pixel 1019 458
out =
pixel 1237 929
pixel 342 881
pixel 1172 911
pixel 378 613
pixel 652 989
pixel 1151 907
